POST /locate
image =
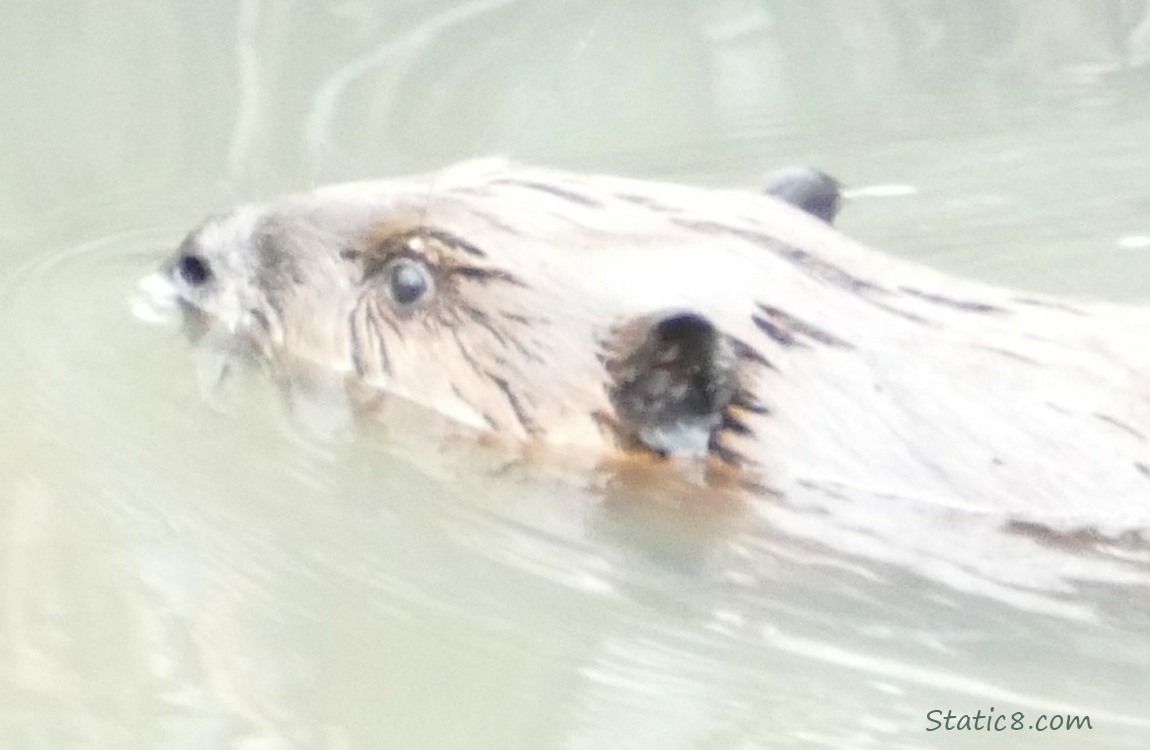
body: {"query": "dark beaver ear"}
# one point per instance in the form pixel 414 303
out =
pixel 672 375
pixel 813 191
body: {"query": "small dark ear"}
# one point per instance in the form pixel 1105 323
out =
pixel 813 191
pixel 672 375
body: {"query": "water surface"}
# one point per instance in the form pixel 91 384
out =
pixel 227 568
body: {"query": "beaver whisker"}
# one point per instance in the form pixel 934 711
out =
pixel 384 357
pixel 355 340
pixel 261 320
pixel 480 317
pixel 487 418
pixel 453 241
pixel 381 317
pixel 1050 305
pixel 783 327
pixel 729 456
pixel 777 333
pixel 475 273
pixel 734 425
pixel 748 353
pixel 522 319
pixel 558 192
pixel 371 323
pixel 525 421
pixel 744 400
pixel 463 350
pixel 505 339
pixel 802 259
pixel 956 304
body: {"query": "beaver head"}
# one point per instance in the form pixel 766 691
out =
pixel 610 313
pixel 508 304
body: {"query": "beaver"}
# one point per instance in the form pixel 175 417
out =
pixel 690 324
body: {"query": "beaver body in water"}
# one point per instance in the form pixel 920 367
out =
pixel 725 327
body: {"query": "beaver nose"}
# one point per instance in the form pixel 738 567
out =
pixel 193 269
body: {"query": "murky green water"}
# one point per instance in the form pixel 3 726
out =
pixel 181 569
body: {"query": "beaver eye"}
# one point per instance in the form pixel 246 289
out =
pixel 408 281
pixel 193 269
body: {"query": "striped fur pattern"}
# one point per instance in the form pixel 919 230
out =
pixel 610 314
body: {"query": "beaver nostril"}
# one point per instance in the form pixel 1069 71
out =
pixel 193 269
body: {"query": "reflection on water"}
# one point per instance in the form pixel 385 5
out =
pixel 181 569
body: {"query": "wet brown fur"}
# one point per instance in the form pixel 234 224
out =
pixel 844 368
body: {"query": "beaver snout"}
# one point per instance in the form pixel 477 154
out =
pixel 187 275
pixel 189 271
